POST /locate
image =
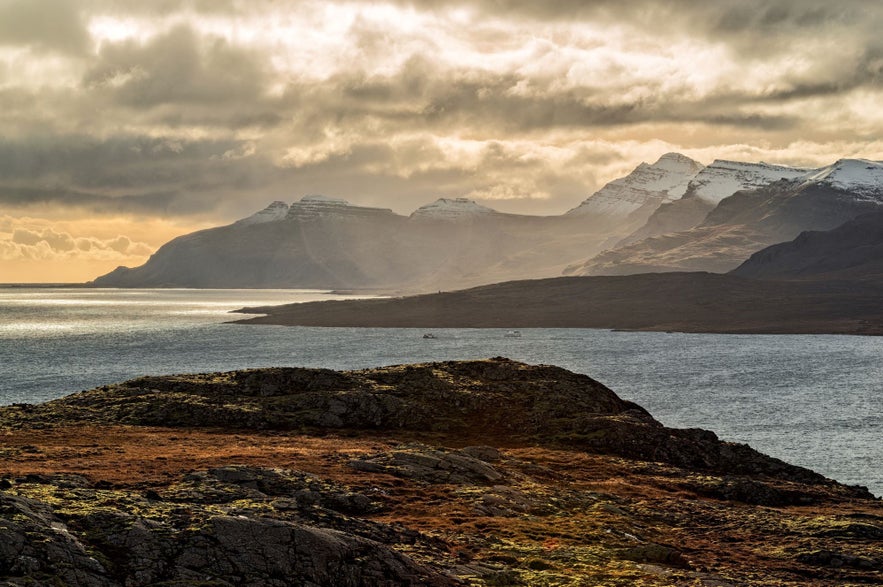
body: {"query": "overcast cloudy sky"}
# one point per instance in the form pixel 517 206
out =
pixel 123 124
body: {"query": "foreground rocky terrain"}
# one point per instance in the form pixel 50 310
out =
pixel 459 473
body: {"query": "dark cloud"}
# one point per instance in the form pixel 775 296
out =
pixel 115 164
pixel 131 174
pixel 182 120
pixel 52 25
pixel 423 95
pixel 720 15
pixel 17 196
pixel 177 68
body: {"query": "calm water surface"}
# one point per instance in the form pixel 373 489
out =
pixel 816 401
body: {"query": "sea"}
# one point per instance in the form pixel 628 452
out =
pixel 811 400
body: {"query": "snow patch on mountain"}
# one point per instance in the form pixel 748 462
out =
pixel 858 176
pixel 272 213
pixel 724 178
pixel 663 181
pixel 452 209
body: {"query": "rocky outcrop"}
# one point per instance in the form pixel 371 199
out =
pixel 431 465
pixel 491 399
pixel 293 535
pixel 34 543
pixel 459 473
pixel 505 520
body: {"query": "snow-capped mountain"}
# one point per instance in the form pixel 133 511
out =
pixel 663 181
pixel 318 207
pixel 451 209
pixel 749 220
pixel 861 177
pixel 275 211
pixel 320 242
pixel 709 187
pixel 724 178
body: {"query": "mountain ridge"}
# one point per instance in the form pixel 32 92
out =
pixel 853 249
pixel 748 221
pixel 452 243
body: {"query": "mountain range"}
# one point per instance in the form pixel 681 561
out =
pixel 672 215
pixel 777 204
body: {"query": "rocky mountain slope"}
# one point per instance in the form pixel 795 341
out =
pixel 706 190
pixel 480 473
pixel 852 250
pixel 750 220
pixel 321 242
pixel 634 198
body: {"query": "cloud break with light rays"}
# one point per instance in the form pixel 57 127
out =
pixel 192 113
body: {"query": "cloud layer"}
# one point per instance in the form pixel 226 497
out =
pixel 209 109
pixel 47 244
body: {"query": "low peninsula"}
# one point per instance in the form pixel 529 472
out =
pixel 479 473
pixel 682 302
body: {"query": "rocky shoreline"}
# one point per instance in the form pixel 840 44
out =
pixel 457 473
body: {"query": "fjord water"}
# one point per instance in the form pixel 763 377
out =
pixel 815 401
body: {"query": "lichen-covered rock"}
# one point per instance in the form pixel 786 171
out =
pixel 232 482
pixel 430 465
pixel 36 546
pixel 115 538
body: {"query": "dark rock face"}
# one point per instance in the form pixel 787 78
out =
pixel 431 466
pixel 853 250
pixel 35 543
pixel 256 539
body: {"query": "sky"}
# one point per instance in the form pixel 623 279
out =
pixel 125 124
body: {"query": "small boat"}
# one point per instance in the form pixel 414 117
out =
pixel 429 335
pixel 512 334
